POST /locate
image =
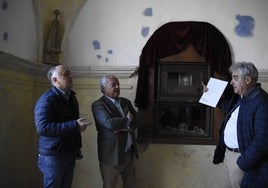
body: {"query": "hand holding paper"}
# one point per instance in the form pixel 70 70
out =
pixel 215 90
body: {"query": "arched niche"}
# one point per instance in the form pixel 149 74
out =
pixel 195 49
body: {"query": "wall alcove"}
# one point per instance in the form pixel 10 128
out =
pixel 173 64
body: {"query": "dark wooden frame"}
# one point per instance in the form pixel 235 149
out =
pixel 150 130
pixel 170 84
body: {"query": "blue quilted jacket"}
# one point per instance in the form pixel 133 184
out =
pixel 55 120
pixel 252 133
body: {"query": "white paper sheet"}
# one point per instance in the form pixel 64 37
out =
pixel 215 90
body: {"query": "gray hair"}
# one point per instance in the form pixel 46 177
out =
pixel 245 69
pixel 50 73
pixel 103 81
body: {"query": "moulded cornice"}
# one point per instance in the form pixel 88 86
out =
pixel 98 71
pixel 11 62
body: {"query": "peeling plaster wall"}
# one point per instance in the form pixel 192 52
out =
pixel 121 28
pixel 159 165
pixel 99 35
pixel 19 89
pixel 18 29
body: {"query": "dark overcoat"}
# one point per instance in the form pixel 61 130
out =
pixel 252 134
pixel 109 121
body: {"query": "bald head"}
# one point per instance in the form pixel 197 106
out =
pixel 60 76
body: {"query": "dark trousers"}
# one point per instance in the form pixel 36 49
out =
pixel 110 174
pixel 57 170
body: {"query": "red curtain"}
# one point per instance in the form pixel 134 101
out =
pixel 170 39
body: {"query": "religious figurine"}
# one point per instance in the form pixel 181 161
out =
pixel 52 47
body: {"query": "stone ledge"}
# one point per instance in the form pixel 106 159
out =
pixel 98 71
pixel 11 62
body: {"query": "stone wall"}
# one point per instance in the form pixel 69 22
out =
pixel 159 165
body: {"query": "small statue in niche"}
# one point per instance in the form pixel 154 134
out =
pixel 52 47
pixel 185 79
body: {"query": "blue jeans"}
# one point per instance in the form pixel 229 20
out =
pixel 57 170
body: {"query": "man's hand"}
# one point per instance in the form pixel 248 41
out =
pixel 205 88
pixel 130 116
pixel 82 124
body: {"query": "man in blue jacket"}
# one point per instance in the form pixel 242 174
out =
pixel 59 128
pixel 243 144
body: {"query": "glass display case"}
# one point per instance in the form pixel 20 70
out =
pixel 181 80
pixel 178 115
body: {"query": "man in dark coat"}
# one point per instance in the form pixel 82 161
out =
pixel 59 128
pixel 243 144
pixel 116 121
